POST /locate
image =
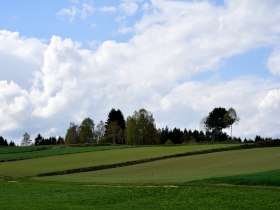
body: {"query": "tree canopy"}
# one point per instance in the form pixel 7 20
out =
pixel 141 128
pixel 218 119
pixel 115 127
pixel 86 131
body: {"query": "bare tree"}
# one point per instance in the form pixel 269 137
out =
pixel 26 141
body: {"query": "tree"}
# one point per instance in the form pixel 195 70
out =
pixel 115 124
pixel 60 140
pixel 26 141
pixel 218 119
pixel 215 121
pixel 116 115
pixel 39 140
pixel 115 133
pixel 12 144
pixel 72 136
pixel 86 131
pixel 141 129
pixel 100 131
pixel 3 142
pixel 231 117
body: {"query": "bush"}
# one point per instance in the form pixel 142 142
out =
pixel 168 142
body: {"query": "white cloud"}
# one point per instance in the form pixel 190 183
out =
pixel 173 42
pixel 86 10
pixel 13 103
pixel 108 9
pixel 253 99
pixel 273 63
pixel 76 11
pixel 129 7
pixel 125 30
pixel 69 13
pixel 19 57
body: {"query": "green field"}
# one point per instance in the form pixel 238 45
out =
pixel 32 167
pixel 218 180
pixel 18 153
pixel 183 169
pixel 56 196
pixel 268 178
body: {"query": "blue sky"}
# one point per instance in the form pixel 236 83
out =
pixel 65 60
pixel 44 18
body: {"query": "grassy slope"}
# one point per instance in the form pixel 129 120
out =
pixel 268 178
pixel 180 170
pixel 33 152
pixel 29 196
pixel 33 167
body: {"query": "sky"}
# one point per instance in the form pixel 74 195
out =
pixel 62 61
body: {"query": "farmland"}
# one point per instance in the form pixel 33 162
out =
pixel 32 167
pixel 20 153
pixel 182 169
pixel 40 195
pixel 197 181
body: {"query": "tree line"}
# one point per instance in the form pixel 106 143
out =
pixel 140 129
pixel 4 142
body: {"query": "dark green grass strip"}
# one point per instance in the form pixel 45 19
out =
pixel 52 151
pixel 129 163
pixel 269 178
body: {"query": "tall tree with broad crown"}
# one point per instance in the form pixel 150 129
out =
pixel 86 131
pixel 141 129
pixel 219 119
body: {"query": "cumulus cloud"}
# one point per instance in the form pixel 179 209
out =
pixel 13 102
pixel 19 57
pixel 173 42
pixel 256 101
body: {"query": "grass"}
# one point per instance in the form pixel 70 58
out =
pixel 162 184
pixel 19 153
pixel 183 169
pixel 62 196
pixel 32 167
pixel 268 178
pixel 8 150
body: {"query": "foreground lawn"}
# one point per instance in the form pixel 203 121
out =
pixel 183 169
pixel 32 195
pixel 32 167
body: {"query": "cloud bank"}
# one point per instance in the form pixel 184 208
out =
pixel 45 86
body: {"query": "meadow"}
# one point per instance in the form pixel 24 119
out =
pixel 21 153
pixel 32 167
pixel 267 178
pixel 236 179
pixel 40 195
pixel 182 169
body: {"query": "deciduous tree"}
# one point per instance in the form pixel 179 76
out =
pixel 141 128
pixel 26 141
pixel 72 136
pixel 86 131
